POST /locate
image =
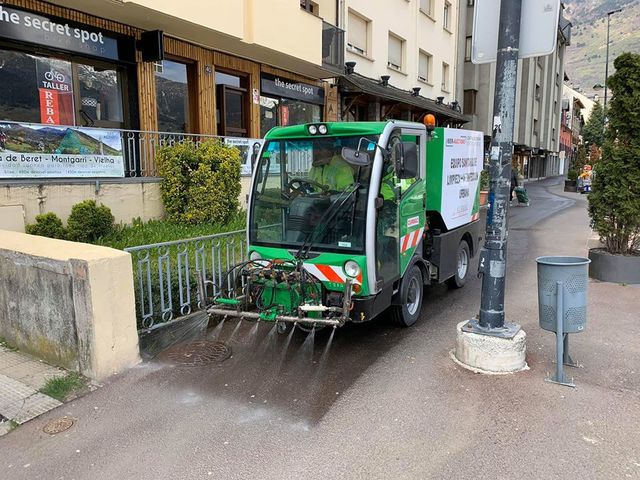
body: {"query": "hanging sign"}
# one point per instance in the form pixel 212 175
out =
pixel 55 90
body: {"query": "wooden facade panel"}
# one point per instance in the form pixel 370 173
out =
pixel 291 76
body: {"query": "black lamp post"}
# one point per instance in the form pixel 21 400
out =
pixel 606 67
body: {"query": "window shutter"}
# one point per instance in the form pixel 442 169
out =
pixel 358 32
pixel 395 51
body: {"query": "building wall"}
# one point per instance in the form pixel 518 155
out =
pixel 538 101
pixel 404 19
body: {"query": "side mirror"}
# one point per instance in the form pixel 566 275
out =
pixel 356 157
pixel 408 156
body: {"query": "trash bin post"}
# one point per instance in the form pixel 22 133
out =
pixel 560 340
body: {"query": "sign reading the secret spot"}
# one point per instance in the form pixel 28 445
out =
pixel 28 27
pixel 41 151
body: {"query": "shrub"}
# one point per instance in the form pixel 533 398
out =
pixel 200 184
pixel 48 225
pixel 572 175
pixel 614 203
pixel 88 221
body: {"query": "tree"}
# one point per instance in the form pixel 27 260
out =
pixel 614 203
pixel 593 130
pixel 581 158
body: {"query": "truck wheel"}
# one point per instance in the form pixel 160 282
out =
pixel 463 257
pixel 407 313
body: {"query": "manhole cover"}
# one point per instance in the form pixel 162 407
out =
pixel 57 425
pixel 197 353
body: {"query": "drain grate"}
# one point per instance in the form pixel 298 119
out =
pixel 197 353
pixel 57 425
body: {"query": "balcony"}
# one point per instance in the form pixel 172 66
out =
pixel 332 47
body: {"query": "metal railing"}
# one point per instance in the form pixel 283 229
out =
pixel 166 274
pixel 332 47
pixel 140 148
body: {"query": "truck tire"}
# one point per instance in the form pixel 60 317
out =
pixel 411 295
pixel 463 258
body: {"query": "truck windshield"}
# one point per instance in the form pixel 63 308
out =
pixel 297 181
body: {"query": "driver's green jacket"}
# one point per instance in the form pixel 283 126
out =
pixel 337 174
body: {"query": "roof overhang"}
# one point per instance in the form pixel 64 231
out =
pixel 359 84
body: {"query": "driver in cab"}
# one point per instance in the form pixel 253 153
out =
pixel 329 168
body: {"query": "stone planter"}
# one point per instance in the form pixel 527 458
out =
pixel 614 268
pixel 570 186
pixel 484 197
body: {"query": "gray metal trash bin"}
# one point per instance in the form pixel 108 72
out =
pixel 573 272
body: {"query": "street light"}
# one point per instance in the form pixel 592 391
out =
pixel 606 67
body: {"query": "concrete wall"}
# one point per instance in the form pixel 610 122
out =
pixel 70 304
pixel 20 202
pixel 127 200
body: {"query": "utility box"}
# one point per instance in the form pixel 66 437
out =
pixel 573 274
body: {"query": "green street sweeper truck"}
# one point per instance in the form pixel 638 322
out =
pixel 347 221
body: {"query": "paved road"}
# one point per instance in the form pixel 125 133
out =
pixel 384 403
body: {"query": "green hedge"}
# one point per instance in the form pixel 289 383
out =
pixel 200 183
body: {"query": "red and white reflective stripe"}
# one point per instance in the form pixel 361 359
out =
pixel 475 216
pixel 410 240
pixel 329 273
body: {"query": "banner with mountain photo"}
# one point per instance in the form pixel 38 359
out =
pixel 44 151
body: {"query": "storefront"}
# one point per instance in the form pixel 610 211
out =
pixel 57 72
pixel 288 102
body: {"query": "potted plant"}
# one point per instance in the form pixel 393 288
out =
pixel 570 183
pixel 614 203
pixel 484 186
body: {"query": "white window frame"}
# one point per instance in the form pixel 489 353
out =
pixel 357 49
pixel 429 78
pixel 390 64
pixel 445 78
pixel 446 16
pixel 430 7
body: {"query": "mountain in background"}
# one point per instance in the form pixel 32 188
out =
pixel 585 57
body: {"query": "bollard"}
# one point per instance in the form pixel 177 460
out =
pixel 562 304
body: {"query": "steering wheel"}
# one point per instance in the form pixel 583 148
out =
pixel 306 186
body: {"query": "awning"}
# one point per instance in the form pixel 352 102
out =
pixel 359 84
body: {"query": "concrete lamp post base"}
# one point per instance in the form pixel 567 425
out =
pixel 490 354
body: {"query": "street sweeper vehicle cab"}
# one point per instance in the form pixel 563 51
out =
pixel 348 221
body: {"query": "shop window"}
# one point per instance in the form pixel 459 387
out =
pixel 424 67
pixel 285 111
pixel 172 97
pixel 358 31
pixel 35 89
pixel 100 96
pixel 395 52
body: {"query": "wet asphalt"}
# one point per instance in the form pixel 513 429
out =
pixel 380 401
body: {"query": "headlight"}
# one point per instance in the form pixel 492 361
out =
pixel 351 268
pixel 313 129
pixel 254 256
pixel 322 129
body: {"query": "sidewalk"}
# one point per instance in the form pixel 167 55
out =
pixel 21 376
